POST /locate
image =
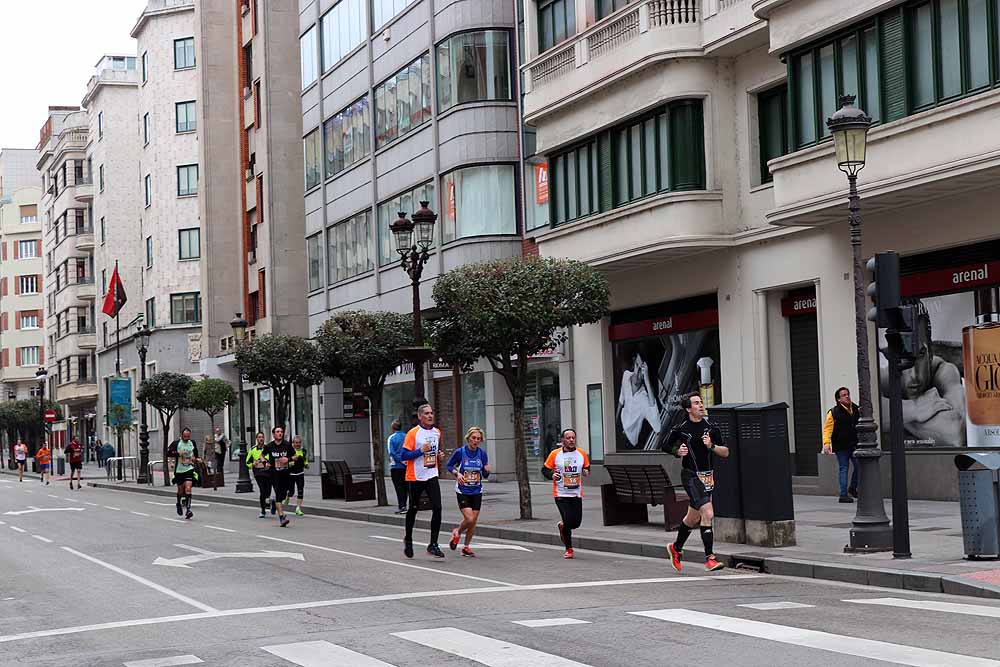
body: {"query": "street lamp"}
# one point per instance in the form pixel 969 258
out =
pixel 414 237
pixel 142 347
pixel 41 375
pixel 243 484
pixel 871 530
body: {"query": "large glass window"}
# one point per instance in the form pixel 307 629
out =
pixel 480 201
pixel 184 53
pixel 384 10
pixel 348 137
pixel 406 202
pixel 473 400
pixel 187 180
pixel 307 54
pixel 185 308
pixel 575 172
pixel 608 7
pixel 556 22
pixel 403 101
pixel 350 252
pixel 311 149
pixel 772 127
pixel 304 421
pixel 189 242
pixel 536 183
pixel 314 258
pixel 474 66
pixel 186 120
pixel 343 30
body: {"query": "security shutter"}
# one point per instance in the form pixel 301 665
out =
pixel 892 51
pixel 806 407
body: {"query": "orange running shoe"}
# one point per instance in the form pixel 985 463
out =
pixel 568 555
pixel 712 565
pixel 675 556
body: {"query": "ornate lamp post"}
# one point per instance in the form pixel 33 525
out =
pixel 243 483
pixel 871 531
pixel 41 375
pixel 142 347
pixel 414 238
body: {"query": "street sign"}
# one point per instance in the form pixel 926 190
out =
pixel 50 416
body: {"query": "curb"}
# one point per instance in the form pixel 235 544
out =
pixel 918 582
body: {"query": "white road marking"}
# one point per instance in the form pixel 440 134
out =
pixel 203 555
pixel 141 580
pixel 53 496
pixel 479 545
pixel 42 539
pixel 26 491
pixel 167 662
pixel 225 530
pixel 933 605
pixel 90 503
pixel 167 518
pixel 20 530
pixel 769 606
pixel 116 509
pixel 174 504
pixel 3 523
pixel 485 650
pixel 139 513
pixel 32 510
pixel 550 622
pixel 322 654
pixel 824 641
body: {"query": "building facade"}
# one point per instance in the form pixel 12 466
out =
pixel 17 169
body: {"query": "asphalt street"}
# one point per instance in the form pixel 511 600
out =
pixel 101 577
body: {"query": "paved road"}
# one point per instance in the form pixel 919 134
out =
pixel 103 577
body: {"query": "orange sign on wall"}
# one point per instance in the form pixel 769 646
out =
pixel 542 183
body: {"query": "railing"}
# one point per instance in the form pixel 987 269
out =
pixel 126 466
pixel 729 4
pixel 613 35
pixel 672 12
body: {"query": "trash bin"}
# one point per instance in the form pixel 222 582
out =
pixel 979 496
pixel 61 466
pixel 766 474
pixel 726 497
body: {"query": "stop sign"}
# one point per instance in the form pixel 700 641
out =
pixel 50 416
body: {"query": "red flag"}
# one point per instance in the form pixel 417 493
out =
pixel 115 299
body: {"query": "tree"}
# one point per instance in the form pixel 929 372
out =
pixel 120 419
pixel 167 393
pixel 508 310
pixel 211 396
pixel 280 362
pixel 24 420
pixel 362 348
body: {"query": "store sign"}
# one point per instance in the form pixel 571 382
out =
pixel 801 304
pixel 670 324
pixel 542 183
pixel 965 277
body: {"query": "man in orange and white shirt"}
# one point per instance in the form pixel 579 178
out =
pixel 422 455
pixel 566 467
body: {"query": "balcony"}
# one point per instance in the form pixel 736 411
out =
pixel 730 27
pixel 84 189
pixel 85 237
pixel 632 38
pixel 78 391
pixel 83 288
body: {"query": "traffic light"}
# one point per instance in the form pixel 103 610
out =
pixel 884 288
pixel 902 334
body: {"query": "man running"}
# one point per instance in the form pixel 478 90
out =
pixel 21 458
pixel 696 440
pixel 566 467
pixel 261 471
pixel 44 458
pixel 185 474
pixel 297 475
pixel 74 455
pixel 422 453
pixel 470 466
pixel 279 454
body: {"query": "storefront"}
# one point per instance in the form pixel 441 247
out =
pixel 798 308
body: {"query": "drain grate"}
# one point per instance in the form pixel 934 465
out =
pixel 747 563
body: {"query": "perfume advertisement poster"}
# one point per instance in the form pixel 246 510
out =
pixel 651 374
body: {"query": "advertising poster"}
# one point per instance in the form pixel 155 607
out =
pixel 121 394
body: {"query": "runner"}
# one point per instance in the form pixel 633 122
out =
pixel 44 458
pixel 471 467
pixel 696 440
pixel 566 467
pixel 279 454
pixel 21 457
pixel 261 471
pixel 422 453
pixel 185 474
pixel 298 474
pixel 74 456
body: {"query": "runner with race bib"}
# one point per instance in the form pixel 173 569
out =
pixel 470 466
pixel 566 467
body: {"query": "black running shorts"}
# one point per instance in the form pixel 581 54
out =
pixel 472 501
pixel 698 497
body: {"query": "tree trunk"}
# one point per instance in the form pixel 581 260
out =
pixel 281 401
pixel 517 382
pixel 165 423
pixel 378 452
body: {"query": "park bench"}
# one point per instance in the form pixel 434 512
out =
pixel 635 486
pixel 339 481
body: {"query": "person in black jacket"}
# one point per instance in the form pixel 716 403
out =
pixel 840 437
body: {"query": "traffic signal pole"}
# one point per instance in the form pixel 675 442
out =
pixel 900 507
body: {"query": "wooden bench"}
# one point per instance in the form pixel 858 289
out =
pixel 339 481
pixel 635 486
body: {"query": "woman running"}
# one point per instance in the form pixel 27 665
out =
pixel 470 466
pixel 298 475
pixel 261 471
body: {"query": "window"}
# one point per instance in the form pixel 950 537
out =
pixel 190 243
pixel 350 247
pixel 384 10
pixel 151 312
pixel 29 321
pixel 307 53
pixel 145 66
pixel 187 180
pixel 27 284
pixel 556 22
pixel 388 211
pixel 184 53
pixel 147 185
pixel 104 282
pixel 348 138
pixel 403 101
pixel 474 66
pixel 104 231
pixel 100 125
pixel 595 421
pixel 480 201
pixel 314 258
pixel 185 118
pixel 100 177
pixel 343 30
pixel 145 129
pixel 149 252
pixel 608 7
pixel 772 127
pixel 29 214
pixel 29 356
pixel 27 249
pixel 311 147
pixel 185 308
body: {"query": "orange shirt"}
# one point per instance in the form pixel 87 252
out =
pixel 43 456
pixel 423 467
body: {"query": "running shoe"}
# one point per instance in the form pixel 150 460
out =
pixel 283 521
pixel 180 511
pixel 189 514
pixel 401 510
pixel 675 556
pixel 562 538
pixel 568 555
pixel 712 565
pixel 262 514
pixel 466 551
pixel 408 549
pixel 274 507
pixel 454 540
pixel 435 551
pixel 299 512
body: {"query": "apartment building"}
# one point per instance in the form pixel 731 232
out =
pixel 17 169
pixel 684 152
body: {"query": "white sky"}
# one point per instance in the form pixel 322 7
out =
pixel 48 50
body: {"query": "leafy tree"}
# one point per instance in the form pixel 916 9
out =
pixel 211 396
pixel 167 393
pixel 362 349
pixel 23 419
pixel 508 310
pixel 280 362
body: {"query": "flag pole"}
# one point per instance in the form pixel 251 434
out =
pixel 118 370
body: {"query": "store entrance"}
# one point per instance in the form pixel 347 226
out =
pixel 541 416
pixel 803 341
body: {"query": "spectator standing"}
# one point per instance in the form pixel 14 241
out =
pixel 221 446
pixel 397 467
pixel 840 437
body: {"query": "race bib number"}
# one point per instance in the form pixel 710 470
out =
pixel 430 458
pixel 707 479
pixel 281 463
pixel 473 478
pixel 185 458
pixel 571 478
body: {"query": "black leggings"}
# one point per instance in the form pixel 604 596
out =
pixel 571 511
pixel 433 491
pixel 264 486
pixel 297 486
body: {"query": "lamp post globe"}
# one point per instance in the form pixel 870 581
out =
pixel 142 347
pixel 243 484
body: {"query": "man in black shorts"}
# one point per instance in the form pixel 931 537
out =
pixel 279 454
pixel 696 441
pixel 74 455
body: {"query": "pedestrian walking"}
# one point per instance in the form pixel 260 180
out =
pixel 209 445
pixel 279 453
pixel 297 473
pixel 397 467
pixel 422 454
pixel 74 456
pixel 470 466
pixel 221 447
pixel 21 458
pixel 566 467
pixel 261 471
pixel 696 441
pixel 43 455
pixel 99 452
pixel 840 437
pixel 185 473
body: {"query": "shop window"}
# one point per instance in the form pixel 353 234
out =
pixel 595 421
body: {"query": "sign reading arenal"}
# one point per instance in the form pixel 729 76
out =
pixel 120 393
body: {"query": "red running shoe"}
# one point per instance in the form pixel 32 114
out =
pixel 712 565
pixel 675 556
pixel 454 540
pixel 568 555
pixel 466 551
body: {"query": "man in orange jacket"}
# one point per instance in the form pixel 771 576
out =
pixel 422 454
pixel 44 458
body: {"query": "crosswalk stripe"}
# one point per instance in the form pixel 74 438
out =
pixel 173 661
pixel 484 650
pixel 322 654
pixel 771 606
pixel 550 622
pixel 824 641
pixel 934 605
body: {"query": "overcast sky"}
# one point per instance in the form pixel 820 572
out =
pixel 48 50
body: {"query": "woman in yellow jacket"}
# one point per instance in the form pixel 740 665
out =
pixel 261 471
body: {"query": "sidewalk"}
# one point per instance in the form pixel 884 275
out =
pixel 822 526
